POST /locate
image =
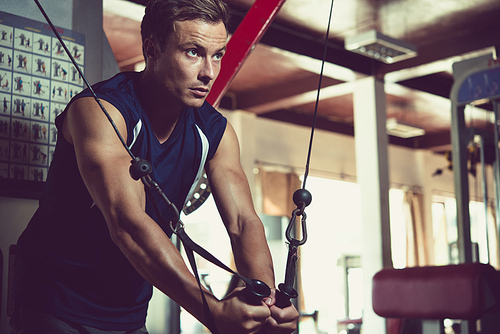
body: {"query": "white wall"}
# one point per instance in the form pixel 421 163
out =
pixel 274 142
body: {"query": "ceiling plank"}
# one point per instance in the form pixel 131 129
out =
pixel 460 35
pixel 283 90
pixel 304 98
pixel 305 44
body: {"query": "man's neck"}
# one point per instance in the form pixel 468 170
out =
pixel 162 111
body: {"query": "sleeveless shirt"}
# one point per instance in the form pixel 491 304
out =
pixel 68 266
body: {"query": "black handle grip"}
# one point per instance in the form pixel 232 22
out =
pixel 256 291
pixel 283 295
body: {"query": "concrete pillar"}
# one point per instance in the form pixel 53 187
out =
pixel 373 178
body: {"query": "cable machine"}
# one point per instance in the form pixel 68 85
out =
pixel 477 81
pixel 470 290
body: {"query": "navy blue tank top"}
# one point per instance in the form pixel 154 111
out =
pixel 68 265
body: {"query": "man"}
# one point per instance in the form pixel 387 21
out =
pixel 93 249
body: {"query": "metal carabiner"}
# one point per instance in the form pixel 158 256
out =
pixel 179 225
pixel 288 234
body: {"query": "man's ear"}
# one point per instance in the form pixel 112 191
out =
pixel 151 50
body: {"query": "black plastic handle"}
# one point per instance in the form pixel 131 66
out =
pixel 283 296
pixel 256 291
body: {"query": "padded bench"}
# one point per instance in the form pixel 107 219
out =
pixel 464 291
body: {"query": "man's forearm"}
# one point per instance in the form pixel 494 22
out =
pixel 251 253
pixel 155 257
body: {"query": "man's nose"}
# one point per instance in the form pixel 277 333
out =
pixel 208 70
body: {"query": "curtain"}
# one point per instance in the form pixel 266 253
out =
pixel 417 232
pixel 441 249
pixel 277 191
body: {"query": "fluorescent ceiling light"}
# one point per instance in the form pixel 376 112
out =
pixel 380 47
pixel 401 130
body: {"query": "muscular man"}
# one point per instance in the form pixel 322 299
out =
pixel 93 250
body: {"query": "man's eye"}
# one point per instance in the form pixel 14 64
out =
pixel 192 53
pixel 218 56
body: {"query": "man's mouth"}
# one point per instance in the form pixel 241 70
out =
pixel 200 91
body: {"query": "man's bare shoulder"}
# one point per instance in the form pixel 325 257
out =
pixel 85 115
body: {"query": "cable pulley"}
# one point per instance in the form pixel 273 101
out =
pixel 301 198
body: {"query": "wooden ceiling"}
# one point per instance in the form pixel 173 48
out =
pixel 280 78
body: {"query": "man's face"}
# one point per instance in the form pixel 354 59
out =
pixel 191 61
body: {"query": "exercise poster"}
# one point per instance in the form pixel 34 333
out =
pixel 37 80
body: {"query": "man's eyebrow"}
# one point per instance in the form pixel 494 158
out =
pixel 201 47
pixel 190 44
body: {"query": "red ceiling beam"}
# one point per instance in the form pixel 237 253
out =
pixel 244 39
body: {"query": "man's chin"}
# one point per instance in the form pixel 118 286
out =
pixel 195 103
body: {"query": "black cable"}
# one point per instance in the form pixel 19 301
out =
pixel 84 79
pixel 301 198
pixel 140 169
pixel 306 173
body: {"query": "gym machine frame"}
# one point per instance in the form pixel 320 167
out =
pixel 477 81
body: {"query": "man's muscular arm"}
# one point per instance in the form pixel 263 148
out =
pixel 232 196
pixel 251 252
pixel 104 166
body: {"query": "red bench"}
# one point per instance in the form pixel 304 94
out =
pixel 465 291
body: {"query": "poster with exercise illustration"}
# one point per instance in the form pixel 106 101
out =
pixel 37 80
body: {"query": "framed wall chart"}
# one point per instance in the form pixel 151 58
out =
pixel 37 80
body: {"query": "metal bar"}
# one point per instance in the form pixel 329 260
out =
pixel 243 41
pixel 496 164
pixel 485 196
pixel 460 138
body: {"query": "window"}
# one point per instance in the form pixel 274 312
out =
pixel 398 228
pixel 444 213
pixel 334 232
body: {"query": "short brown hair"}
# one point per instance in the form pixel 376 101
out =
pixel 161 15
